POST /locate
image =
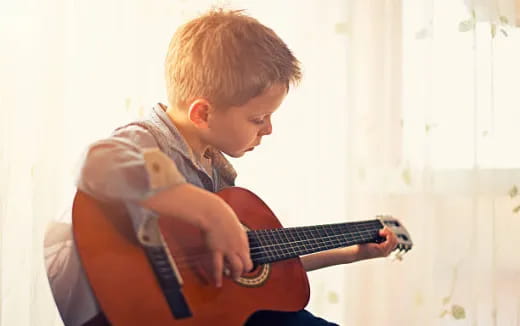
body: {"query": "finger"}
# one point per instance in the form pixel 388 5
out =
pixel 246 262
pixel 392 239
pixel 248 265
pixel 235 265
pixel 218 265
pixel 384 232
pixel 387 246
pixel 388 234
pixel 391 243
pixel 245 255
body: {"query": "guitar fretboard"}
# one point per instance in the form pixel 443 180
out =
pixel 273 245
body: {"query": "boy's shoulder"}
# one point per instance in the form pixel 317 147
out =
pixel 136 135
pixel 150 131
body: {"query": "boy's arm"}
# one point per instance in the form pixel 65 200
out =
pixel 225 238
pixel 351 254
pixel 129 167
pixel 331 257
pixel 115 168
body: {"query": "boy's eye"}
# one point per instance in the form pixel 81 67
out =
pixel 261 119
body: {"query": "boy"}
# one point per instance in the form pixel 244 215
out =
pixel 226 74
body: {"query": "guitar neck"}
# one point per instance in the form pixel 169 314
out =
pixel 273 245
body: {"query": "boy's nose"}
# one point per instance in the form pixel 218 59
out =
pixel 267 130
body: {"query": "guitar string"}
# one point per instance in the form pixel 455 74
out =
pixel 257 252
pixel 359 236
pixel 282 243
pixel 276 232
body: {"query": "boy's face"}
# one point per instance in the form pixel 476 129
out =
pixel 240 129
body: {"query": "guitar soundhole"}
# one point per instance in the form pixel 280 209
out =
pixel 254 270
pixel 256 277
pixel 257 270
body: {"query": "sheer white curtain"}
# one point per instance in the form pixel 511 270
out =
pixel 399 112
pixel 70 71
pixel 432 139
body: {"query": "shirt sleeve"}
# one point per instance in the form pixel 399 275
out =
pixel 127 166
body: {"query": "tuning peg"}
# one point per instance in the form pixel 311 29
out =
pixel 398 256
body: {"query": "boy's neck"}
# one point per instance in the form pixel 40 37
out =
pixel 196 145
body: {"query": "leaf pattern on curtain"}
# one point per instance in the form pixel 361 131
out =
pixel 406 107
pixel 446 167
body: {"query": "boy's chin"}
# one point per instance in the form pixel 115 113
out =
pixel 238 154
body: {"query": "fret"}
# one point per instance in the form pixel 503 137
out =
pixel 255 245
pixel 332 240
pixel 315 237
pixel 322 231
pixel 331 233
pixel 292 236
pixel 289 242
pixel 356 232
pixel 301 247
pixel 274 244
pixel 353 235
pixel 310 238
pixel 363 232
pixel 286 244
pixel 369 231
pixel 266 250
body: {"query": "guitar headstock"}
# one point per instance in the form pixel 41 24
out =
pixel 404 241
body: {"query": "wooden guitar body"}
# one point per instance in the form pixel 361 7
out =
pixel 127 289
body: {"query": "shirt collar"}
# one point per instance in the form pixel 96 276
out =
pixel 218 161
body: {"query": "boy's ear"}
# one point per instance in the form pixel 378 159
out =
pixel 198 112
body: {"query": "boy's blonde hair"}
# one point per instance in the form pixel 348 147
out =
pixel 227 58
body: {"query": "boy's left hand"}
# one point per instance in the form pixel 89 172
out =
pixel 375 250
pixel 346 255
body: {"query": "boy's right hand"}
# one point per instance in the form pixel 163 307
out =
pixel 225 238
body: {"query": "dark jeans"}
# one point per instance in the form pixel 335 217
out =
pixel 280 318
pixel 260 318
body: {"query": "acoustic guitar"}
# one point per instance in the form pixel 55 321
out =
pixel 164 282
